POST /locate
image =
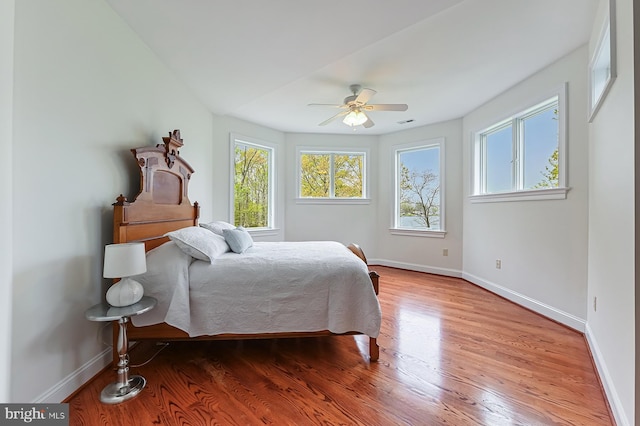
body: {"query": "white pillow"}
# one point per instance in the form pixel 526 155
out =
pixel 217 227
pixel 238 239
pixel 199 243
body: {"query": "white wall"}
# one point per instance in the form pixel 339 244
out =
pixel 344 223
pixel 422 253
pixel 542 244
pixel 86 91
pixel 612 218
pixel 7 9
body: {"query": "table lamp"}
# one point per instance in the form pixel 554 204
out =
pixel 124 261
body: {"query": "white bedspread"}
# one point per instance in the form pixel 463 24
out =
pixel 272 287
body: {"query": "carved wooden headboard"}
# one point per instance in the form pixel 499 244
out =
pixel 162 205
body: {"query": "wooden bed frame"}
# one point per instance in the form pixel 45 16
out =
pixel 163 205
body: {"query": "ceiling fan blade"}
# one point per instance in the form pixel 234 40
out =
pixel 364 96
pixel 328 105
pixel 329 120
pixel 368 123
pixel 386 107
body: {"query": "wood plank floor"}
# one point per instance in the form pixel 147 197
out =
pixel 451 353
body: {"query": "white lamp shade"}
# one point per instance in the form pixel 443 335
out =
pixel 355 118
pixel 124 260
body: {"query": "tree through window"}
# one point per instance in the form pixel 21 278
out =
pixel 331 174
pixel 418 187
pixel 252 185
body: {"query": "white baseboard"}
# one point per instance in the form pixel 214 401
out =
pixel 535 305
pixel 414 267
pixel 543 309
pixel 610 391
pixel 75 380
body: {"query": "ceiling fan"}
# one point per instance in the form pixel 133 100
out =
pixel 354 107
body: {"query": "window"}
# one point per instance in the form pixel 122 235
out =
pixel 253 177
pixel 419 206
pixel 332 176
pixel 602 67
pixel 522 156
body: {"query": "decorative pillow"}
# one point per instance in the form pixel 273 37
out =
pixel 199 243
pixel 217 227
pixel 238 239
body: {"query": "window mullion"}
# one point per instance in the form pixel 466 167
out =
pixel 332 190
pixel 516 178
pixel 363 172
pixel 396 220
pixel 483 161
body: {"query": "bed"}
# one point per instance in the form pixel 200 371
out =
pixel 162 207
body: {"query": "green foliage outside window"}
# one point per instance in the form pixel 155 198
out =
pixel 331 175
pixel 550 174
pixel 251 187
pixel 315 175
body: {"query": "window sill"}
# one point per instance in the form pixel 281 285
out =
pixel 333 201
pixel 417 233
pixel 263 232
pixel 531 195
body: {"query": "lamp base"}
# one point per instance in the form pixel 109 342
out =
pixel 115 393
pixel 124 293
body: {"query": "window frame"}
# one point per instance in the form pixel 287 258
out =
pixel 478 173
pixel 395 205
pixel 333 151
pixel 235 139
pixel 604 53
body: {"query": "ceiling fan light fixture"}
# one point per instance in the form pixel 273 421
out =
pixel 355 118
pixel 354 107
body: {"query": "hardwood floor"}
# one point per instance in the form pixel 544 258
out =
pixel 451 353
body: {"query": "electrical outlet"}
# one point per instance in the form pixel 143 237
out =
pixel 595 303
pixel 498 264
pixel 445 252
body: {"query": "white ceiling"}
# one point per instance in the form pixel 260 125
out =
pixel 264 61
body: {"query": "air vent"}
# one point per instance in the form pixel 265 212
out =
pixel 406 121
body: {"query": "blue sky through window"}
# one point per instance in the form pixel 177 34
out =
pixel 499 156
pixel 519 159
pixel 422 159
pixel 540 141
